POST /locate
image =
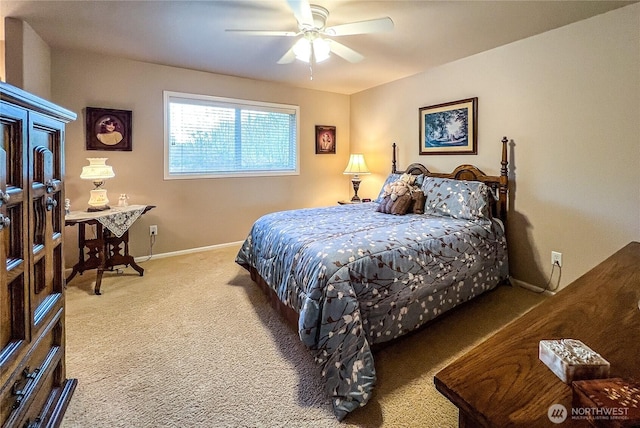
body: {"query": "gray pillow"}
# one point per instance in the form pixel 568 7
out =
pixel 390 179
pixel 456 198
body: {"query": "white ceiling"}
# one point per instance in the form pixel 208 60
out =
pixel 191 34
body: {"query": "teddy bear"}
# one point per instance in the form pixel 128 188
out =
pixel 399 187
pixel 402 195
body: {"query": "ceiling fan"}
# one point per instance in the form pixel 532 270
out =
pixel 315 41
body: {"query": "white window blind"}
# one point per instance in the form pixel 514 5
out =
pixel 209 136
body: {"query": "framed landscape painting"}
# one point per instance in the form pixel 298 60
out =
pixel 449 128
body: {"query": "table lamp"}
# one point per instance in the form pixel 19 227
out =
pixel 97 171
pixel 355 167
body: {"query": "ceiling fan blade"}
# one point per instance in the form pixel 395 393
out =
pixel 302 11
pixel 363 27
pixel 288 57
pixel 345 52
pixel 264 33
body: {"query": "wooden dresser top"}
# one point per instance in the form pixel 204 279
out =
pixel 502 382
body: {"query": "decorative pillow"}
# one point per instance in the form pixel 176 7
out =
pixel 394 177
pixel 468 200
pixel 412 201
pixel 418 201
pixel 399 206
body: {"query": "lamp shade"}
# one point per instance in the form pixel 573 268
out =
pixel 97 170
pixel 356 165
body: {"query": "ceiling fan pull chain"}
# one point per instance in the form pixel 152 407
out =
pixel 312 58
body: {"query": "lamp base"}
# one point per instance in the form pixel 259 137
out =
pixel 98 200
pixel 96 209
pixel 356 185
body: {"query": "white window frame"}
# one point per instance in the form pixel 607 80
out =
pixel 168 96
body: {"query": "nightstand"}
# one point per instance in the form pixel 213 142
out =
pixel 345 202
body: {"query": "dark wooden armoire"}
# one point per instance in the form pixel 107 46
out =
pixel 34 390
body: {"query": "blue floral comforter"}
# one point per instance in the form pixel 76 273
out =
pixel 358 277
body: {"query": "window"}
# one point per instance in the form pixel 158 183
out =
pixel 208 137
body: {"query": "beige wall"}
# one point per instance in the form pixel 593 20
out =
pixel 2 63
pixel 569 100
pixel 190 213
pixel 28 58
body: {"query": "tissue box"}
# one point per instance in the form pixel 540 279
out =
pixel 570 360
pixel 607 402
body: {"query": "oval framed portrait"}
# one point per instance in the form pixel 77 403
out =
pixel 108 129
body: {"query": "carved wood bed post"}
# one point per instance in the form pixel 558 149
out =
pixel 393 161
pixel 504 181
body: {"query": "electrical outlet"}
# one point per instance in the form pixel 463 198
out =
pixel 153 230
pixel 556 258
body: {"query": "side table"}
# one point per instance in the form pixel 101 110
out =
pixel 350 202
pixel 110 247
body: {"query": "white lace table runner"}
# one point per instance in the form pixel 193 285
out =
pixel 117 219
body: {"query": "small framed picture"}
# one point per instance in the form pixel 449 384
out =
pixel 108 129
pixel 325 139
pixel 449 128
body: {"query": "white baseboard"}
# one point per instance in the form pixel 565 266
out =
pixel 513 280
pixel 188 251
pixel 173 253
pixel 531 287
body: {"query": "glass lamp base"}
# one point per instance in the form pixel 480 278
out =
pixel 96 209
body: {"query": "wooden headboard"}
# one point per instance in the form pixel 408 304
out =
pixel 498 184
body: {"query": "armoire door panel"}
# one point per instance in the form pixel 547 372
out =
pixel 14 293
pixel 38 225
pixel 48 133
pixel 13 125
pixel 46 214
pixel 33 384
pixel 34 390
pixel 43 167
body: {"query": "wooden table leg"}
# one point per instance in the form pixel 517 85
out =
pixel 118 252
pixel 89 251
pixel 103 257
pixel 78 267
pixel 96 289
pixel 139 269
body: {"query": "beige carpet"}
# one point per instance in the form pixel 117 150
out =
pixel 194 343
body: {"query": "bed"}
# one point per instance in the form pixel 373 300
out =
pixel 351 277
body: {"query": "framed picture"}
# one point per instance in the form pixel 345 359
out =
pixel 108 129
pixel 325 139
pixel 450 128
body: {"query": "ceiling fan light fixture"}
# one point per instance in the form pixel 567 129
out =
pixel 302 49
pixel 308 48
pixel 317 44
pixel 321 49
